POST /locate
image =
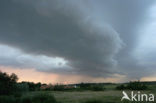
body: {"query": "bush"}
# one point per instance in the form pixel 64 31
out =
pixel 7 99
pixel 97 88
pixel 136 85
pixel 38 98
pixel 93 87
pixel 22 87
pixel 58 88
pixel 8 83
pixel 26 99
pixel 85 85
pixel 121 87
pixel 43 98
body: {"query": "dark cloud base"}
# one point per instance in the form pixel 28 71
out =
pixel 72 31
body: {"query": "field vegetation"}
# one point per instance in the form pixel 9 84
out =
pixel 12 91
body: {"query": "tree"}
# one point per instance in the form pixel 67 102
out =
pixel 135 85
pixel 7 83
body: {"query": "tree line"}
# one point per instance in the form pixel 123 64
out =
pixel 9 85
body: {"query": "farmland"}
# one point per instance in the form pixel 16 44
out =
pixel 12 91
pixel 108 96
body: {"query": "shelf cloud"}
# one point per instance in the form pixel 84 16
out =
pixel 93 38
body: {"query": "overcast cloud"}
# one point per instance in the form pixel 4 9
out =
pixel 86 37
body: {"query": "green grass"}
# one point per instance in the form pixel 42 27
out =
pixel 110 95
pixel 107 96
pixel 39 97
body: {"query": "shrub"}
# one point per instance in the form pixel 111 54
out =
pixel 7 99
pixel 58 88
pixel 90 86
pixel 43 98
pixel 8 83
pixel 121 87
pixel 22 87
pixel 26 99
pixel 97 88
pixel 39 98
pixel 136 85
pixel 85 86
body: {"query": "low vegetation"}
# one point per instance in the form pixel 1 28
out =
pixel 91 86
pixel 12 91
pixel 136 85
pixel 38 98
pixel 94 101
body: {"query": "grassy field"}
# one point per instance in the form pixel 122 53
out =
pixel 27 92
pixel 107 96
pixel 81 97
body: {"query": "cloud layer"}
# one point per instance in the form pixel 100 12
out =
pixel 93 38
pixel 60 30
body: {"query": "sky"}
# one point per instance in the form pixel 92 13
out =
pixel 73 41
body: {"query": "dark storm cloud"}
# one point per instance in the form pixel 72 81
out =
pixel 60 29
pixel 127 17
pixel 85 33
pixel 133 15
